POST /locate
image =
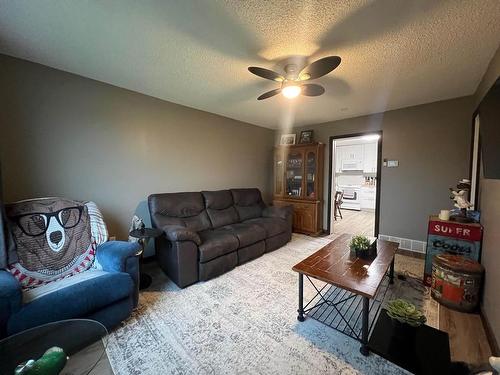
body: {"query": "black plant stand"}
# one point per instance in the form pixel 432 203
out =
pixel 144 235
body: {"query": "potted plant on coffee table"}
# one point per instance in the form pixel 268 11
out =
pixel 406 318
pixel 362 247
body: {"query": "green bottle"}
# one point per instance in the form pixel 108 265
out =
pixel 50 363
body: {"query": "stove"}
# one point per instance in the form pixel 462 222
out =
pixel 351 199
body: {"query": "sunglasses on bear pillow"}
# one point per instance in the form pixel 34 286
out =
pixel 36 223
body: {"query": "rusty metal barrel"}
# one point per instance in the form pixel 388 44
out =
pixel 456 281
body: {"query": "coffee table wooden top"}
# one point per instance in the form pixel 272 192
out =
pixel 334 264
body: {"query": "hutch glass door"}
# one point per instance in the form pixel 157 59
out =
pixel 279 171
pixel 311 174
pixel 294 173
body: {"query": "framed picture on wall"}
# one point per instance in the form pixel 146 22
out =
pixel 306 136
pixel 287 139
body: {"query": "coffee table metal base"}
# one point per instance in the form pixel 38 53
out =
pixel 349 313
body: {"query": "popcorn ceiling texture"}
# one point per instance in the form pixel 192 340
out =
pixel 394 54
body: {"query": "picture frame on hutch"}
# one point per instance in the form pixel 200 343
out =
pixel 306 136
pixel 287 139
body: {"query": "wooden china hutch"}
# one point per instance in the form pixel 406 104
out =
pixel 298 181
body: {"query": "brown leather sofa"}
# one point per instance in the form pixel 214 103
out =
pixel 209 233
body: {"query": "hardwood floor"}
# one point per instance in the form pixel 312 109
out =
pixel 468 342
pixel 355 222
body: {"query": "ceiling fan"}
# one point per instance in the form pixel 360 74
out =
pixel 292 82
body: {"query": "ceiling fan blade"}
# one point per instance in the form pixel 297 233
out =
pixel 266 73
pixel 269 94
pixel 311 89
pixel 320 68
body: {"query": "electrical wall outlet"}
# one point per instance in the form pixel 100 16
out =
pixel 112 238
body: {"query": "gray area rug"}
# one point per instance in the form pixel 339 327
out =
pixel 243 322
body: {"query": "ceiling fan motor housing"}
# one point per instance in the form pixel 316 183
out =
pixel 291 71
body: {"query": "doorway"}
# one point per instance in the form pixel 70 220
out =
pixel 354 183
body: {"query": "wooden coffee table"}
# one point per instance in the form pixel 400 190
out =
pixel 354 287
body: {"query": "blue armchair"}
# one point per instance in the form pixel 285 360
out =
pixel 107 295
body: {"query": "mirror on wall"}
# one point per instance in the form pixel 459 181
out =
pixel 485 145
pixel 489 132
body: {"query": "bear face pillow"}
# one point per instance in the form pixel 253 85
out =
pixel 54 238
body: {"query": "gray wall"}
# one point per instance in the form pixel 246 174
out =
pixel 66 135
pixel 431 142
pixel 489 204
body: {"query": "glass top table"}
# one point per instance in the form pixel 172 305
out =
pixel 83 340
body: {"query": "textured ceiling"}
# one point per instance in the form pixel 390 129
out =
pixel 196 53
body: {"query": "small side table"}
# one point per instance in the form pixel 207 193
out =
pixel 144 235
pixel 83 340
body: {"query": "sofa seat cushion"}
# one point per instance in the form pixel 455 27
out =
pixel 215 243
pixel 79 296
pixel 247 233
pixel 272 226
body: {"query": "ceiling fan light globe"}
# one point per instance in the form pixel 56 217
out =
pixel 305 76
pixel 291 91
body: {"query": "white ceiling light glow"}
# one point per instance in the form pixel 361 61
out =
pixel 291 91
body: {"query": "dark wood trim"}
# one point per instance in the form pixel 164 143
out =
pixel 379 175
pixel 379 185
pixel 478 164
pixel 495 349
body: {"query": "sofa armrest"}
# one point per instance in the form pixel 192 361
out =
pixel 113 255
pixel 283 212
pixel 10 299
pixel 177 233
pixel 121 256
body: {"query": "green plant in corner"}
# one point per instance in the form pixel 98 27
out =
pixel 405 312
pixel 360 243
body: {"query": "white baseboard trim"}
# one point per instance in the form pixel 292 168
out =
pixel 406 243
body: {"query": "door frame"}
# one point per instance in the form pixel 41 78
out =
pixel 379 175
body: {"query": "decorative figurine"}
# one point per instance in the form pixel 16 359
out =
pixel 137 223
pixel 51 362
pixel 460 197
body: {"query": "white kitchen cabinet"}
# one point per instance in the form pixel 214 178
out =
pixel 349 154
pixel 367 198
pixel 353 152
pixel 370 157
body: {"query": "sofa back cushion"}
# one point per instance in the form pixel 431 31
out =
pixel 220 208
pixel 187 209
pixel 248 203
pixel 55 238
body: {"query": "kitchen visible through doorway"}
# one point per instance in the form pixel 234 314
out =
pixel 355 180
